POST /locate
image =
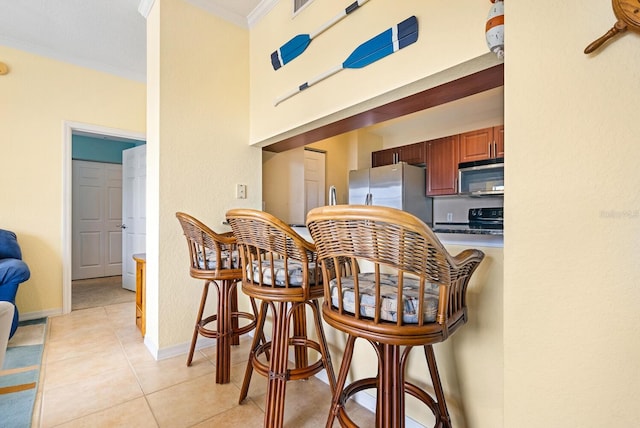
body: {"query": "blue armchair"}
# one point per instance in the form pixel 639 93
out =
pixel 13 271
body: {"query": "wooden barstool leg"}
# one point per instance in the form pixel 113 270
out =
pixel 336 401
pixel 258 337
pixel 194 339
pixel 278 375
pixel 261 337
pixel 223 333
pixel 300 331
pixel 390 387
pixel 233 305
pixel 443 417
pixel 324 347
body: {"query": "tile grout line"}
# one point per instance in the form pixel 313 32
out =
pixel 36 417
pixel 135 373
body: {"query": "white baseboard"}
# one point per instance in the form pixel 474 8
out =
pixel 175 350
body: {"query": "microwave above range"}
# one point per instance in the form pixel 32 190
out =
pixel 481 178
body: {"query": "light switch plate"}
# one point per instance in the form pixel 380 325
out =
pixel 241 191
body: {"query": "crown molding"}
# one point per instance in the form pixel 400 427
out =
pixel 246 22
pixel 145 7
pixel 260 11
pixel 220 12
pixel 120 71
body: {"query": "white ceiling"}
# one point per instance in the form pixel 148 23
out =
pixel 110 36
pixel 106 35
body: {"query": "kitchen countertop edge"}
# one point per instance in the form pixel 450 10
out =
pixel 458 238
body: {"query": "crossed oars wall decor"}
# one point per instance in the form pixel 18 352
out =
pixel 389 41
pixel 298 44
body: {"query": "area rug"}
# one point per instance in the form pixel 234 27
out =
pixel 20 374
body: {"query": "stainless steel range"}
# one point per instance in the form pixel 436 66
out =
pixel 486 218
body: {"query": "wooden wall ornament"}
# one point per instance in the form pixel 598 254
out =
pixel 389 41
pixel 294 47
pixel 494 30
pixel 628 14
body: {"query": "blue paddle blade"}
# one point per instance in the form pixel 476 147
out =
pixel 384 44
pixel 290 50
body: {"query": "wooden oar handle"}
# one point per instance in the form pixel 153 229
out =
pixel 352 7
pixel 307 84
pixel 619 27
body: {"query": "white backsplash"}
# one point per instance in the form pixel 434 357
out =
pixel 457 207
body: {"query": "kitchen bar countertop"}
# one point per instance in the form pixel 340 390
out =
pixel 463 235
pixel 464 228
pixel 448 234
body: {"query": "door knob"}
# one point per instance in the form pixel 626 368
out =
pixel 121 226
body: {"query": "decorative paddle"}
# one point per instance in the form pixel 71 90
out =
pixel 294 47
pixel 385 43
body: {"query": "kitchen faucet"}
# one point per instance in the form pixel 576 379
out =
pixel 333 199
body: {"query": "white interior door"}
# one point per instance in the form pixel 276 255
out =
pixel 113 219
pixel 96 214
pixel 134 218
pixel 314 180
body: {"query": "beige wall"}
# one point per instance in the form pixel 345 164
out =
pixel 283 187
pixel 198 150
pixel 446 38
pixel 570 276
pixel 570 280
pixel 339 159
pixel 36 98
pixel 464 374
pixel 571 245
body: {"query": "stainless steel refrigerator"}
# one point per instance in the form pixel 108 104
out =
pixel 398 185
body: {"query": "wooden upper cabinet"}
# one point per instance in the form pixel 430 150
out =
pixel 482 144
pixel 413 154
pixel 442 166
pixel 383 157
pixel 498 136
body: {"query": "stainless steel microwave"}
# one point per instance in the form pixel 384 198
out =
pixel 481 178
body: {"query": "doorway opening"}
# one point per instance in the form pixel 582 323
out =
pixel 108 135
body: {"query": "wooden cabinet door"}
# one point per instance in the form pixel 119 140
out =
pixel 498 137
pixel 413 154
pixel 442 166
pixel 476 145
pixel 382 157
pixel 141 281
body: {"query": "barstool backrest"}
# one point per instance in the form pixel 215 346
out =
pixel 274 257
pixel 405 277
pixel 211 255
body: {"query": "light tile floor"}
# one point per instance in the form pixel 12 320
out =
pixel 98 373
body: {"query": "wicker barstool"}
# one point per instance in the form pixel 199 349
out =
pixel 412 294
pixel 279 268
pixel 214 258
